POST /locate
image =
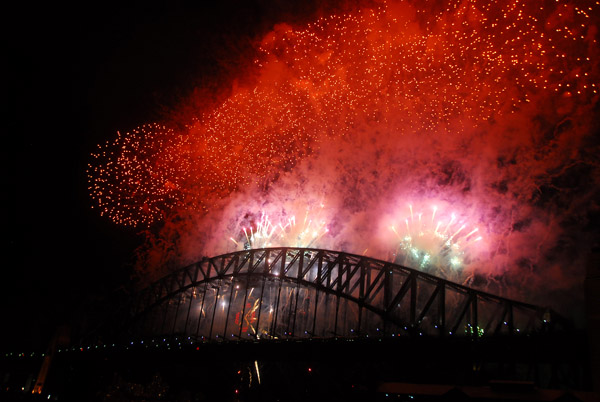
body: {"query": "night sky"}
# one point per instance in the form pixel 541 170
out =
pixel 77 75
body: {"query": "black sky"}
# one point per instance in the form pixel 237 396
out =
pixel 78 72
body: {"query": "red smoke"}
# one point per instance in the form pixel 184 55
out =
pixel 488 109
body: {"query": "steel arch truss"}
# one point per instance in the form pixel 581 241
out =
pixel 280 293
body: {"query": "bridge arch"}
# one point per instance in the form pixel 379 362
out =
pixel 301 293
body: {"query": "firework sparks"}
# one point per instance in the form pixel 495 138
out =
pixel 441 245
pixel 413 70
pixel 140 175
pixel 488 106
pixel 288 232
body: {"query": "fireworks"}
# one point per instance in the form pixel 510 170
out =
pixel 140 175
pixel 402 67
pixel 286 232
pixel 431 240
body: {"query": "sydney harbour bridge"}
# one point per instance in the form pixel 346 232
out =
pixel 302 293
pixel 304 323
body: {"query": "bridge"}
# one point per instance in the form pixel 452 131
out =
pixel 282 314
pixel 301 293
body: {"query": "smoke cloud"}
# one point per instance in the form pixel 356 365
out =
pixel 374 119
